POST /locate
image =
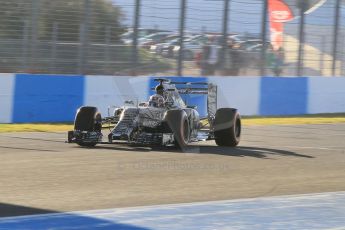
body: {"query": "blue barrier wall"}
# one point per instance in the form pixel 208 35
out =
pixel 47 98
pixel 55 98
pixel 285 96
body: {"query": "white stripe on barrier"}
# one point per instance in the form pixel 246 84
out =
pixel 7 83
pixel 105 91
pixel 242 93
pixel 326 95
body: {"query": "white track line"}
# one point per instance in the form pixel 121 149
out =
pixel 306 211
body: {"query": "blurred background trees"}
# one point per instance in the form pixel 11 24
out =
pixel 68 16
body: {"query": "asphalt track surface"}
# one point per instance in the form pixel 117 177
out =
pixel 39 173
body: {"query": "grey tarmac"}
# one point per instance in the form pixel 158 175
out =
pixel 40 173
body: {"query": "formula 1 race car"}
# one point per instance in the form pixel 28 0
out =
pixel 164 120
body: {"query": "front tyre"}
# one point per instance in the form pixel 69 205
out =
pixel 90 120
pixel 227 127
pixel 179 124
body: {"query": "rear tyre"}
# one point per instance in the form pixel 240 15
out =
pixel 88 119
pixel 179 124
pixel 227 127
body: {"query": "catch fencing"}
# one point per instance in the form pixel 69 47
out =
pixel 108 37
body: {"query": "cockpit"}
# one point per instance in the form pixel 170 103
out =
pixel 157 101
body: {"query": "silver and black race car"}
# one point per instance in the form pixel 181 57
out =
pixel 165 120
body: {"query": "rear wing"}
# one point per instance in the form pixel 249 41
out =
pixel 205 88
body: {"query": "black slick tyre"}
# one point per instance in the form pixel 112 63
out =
pixel 90 120
pixel 227 127
pixel 179 124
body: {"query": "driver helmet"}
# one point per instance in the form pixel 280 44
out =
pixel 160 89
pixel 156 100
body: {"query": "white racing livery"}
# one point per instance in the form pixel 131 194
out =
pixel 164 120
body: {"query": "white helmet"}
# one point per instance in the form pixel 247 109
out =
pixel 156 101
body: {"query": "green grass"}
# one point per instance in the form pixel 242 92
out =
pixel 247 121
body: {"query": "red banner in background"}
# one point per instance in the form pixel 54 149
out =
pixel 279 13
